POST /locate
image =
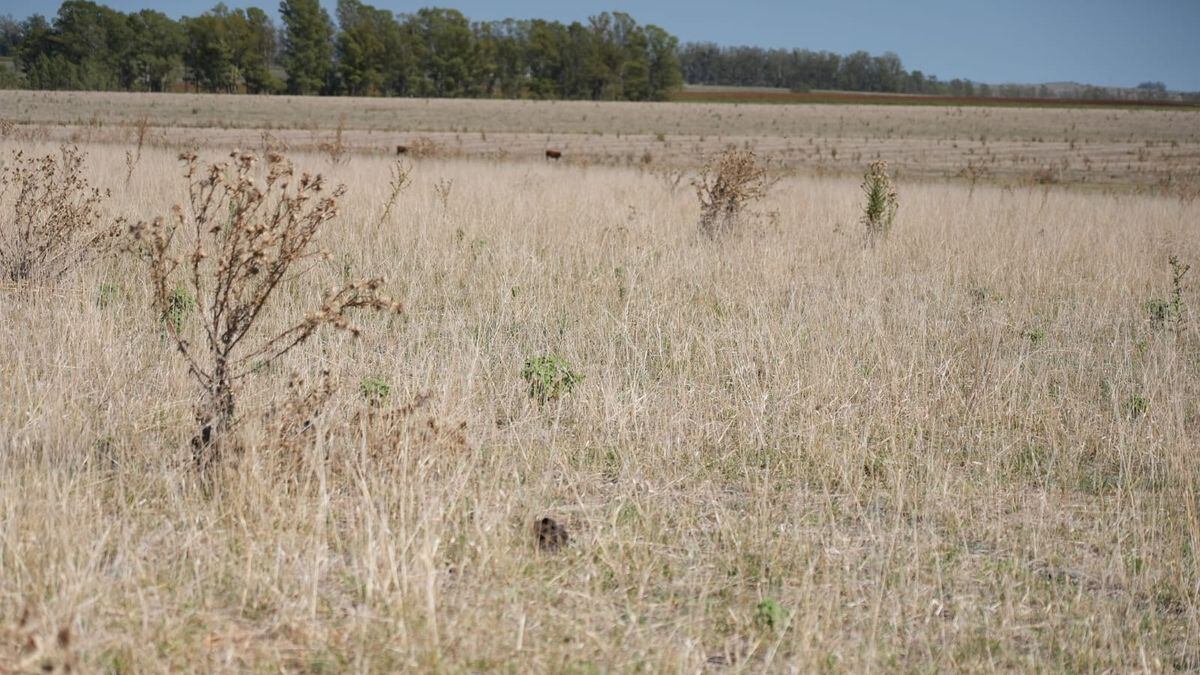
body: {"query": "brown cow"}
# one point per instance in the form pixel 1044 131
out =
pixel 554 154
pixel 401 149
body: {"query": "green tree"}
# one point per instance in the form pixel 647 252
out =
pixel 634 58
pixel 156 49
pixel 208 56
pixel 307 46
pixel 251 36
pixel 665 73
pixel 544 58
pixel 445 53
pixel 608 60
pixel 94 39
pixel 509 70
pixel 367 47
pixel 11 35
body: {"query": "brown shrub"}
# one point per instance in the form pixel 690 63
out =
pixel 726 184
pixel 246 242
pixel 52 217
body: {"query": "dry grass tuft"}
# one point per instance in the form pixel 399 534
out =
pixel 423 147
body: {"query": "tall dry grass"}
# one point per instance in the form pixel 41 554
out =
pixel 929 455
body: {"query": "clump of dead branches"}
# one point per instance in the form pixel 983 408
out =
pixel 244 235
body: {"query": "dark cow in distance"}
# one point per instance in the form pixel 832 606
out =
pixel 554 154
pixel 401 149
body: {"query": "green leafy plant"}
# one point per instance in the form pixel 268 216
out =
pixel 1178 270
pixel 1136 405
pixel 769 614
pixel 1159 310
pixel 1036 336
pixel 108 295
pixel 882 202
pixel 374 390
pixel 549 378
pixel 178 307
pixel 1173 310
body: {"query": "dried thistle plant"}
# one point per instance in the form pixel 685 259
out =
pixel 25 647
pixel 726 184
pixel 880 209
pixel 401 179
pixel 422 147
pixel 248 236
pixel 52 216
pixel 141 129
pixel 336 147
pixel 290 422
pixel 384 432
pixel 271 143
pixel 671 178
pixel 442 189
pixel 973 172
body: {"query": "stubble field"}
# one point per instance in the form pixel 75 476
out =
pixel 971 447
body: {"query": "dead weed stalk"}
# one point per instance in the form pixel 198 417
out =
pixel 53 218
pixel 726 184
pixel 249 235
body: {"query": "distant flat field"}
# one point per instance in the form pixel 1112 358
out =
pixel 1099 146
pixel 777 95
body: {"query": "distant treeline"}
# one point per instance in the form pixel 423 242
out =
pixel 433 52
pixel 803 70
pixel 437 53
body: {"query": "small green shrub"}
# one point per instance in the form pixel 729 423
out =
pixel 1159 310
pixel 1174 310
pixel 1136 406
pixel 1178 311
pixel 769 615
pixel 1036 336
pixel 549 377
pixel 180 305
pixel 882 202
pixel 374 390
pixel 108 295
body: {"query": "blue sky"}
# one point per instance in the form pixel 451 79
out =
pixel 1108 42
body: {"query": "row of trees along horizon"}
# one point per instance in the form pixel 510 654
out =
pixel 433 52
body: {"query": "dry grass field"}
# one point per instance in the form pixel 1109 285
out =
pixel 970 447
pixel 1108 149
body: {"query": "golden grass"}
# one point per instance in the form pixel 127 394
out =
pixel 1101 147
pixel 928 454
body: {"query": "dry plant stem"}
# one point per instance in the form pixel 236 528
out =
pixel 50 216
pixel 132 157
pixel 336 148
pixel 726 184
pixel 401 179
pixel 247 241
